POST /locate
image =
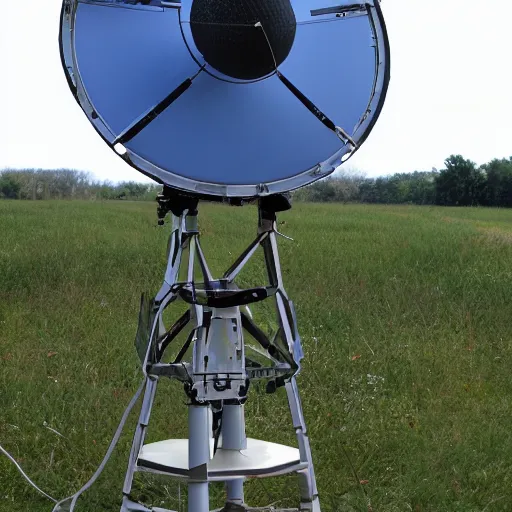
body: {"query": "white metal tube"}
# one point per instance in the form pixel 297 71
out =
pixel 233 428
pixel 234 438
pixel 199 435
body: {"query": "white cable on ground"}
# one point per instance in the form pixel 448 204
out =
pixel 25 476
pixel 101 467
pixel 113 443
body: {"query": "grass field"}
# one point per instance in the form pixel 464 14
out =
pixel 405 316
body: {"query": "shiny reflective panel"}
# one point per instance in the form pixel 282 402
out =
pixel 307 97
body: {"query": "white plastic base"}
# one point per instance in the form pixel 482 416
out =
pixel 260 459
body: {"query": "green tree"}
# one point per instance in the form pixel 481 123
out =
pixel 9 187
pixel 460 184
pixel 498 189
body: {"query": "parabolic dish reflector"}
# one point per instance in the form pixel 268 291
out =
pixel 228 98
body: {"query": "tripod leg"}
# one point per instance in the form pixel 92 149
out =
pixel 140 432
pixel 307 480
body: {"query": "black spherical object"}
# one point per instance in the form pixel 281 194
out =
pixel 224 32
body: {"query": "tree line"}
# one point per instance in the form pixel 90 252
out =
pixel 460 183
pixel 39 184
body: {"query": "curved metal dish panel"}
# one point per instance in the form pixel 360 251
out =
pixel 144 85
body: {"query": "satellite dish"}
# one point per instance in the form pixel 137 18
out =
pixel 228 99
pixel 238 99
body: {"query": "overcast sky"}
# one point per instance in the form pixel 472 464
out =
pixel 450 91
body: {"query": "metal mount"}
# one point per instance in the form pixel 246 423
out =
pixel 216 368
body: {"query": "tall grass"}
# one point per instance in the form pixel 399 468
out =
pixel 405 318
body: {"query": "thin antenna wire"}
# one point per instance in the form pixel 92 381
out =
pixel 213 75
pixel 213 23
pixel 25 476
pixel 268 42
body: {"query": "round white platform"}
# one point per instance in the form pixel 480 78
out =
pixel 260 459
